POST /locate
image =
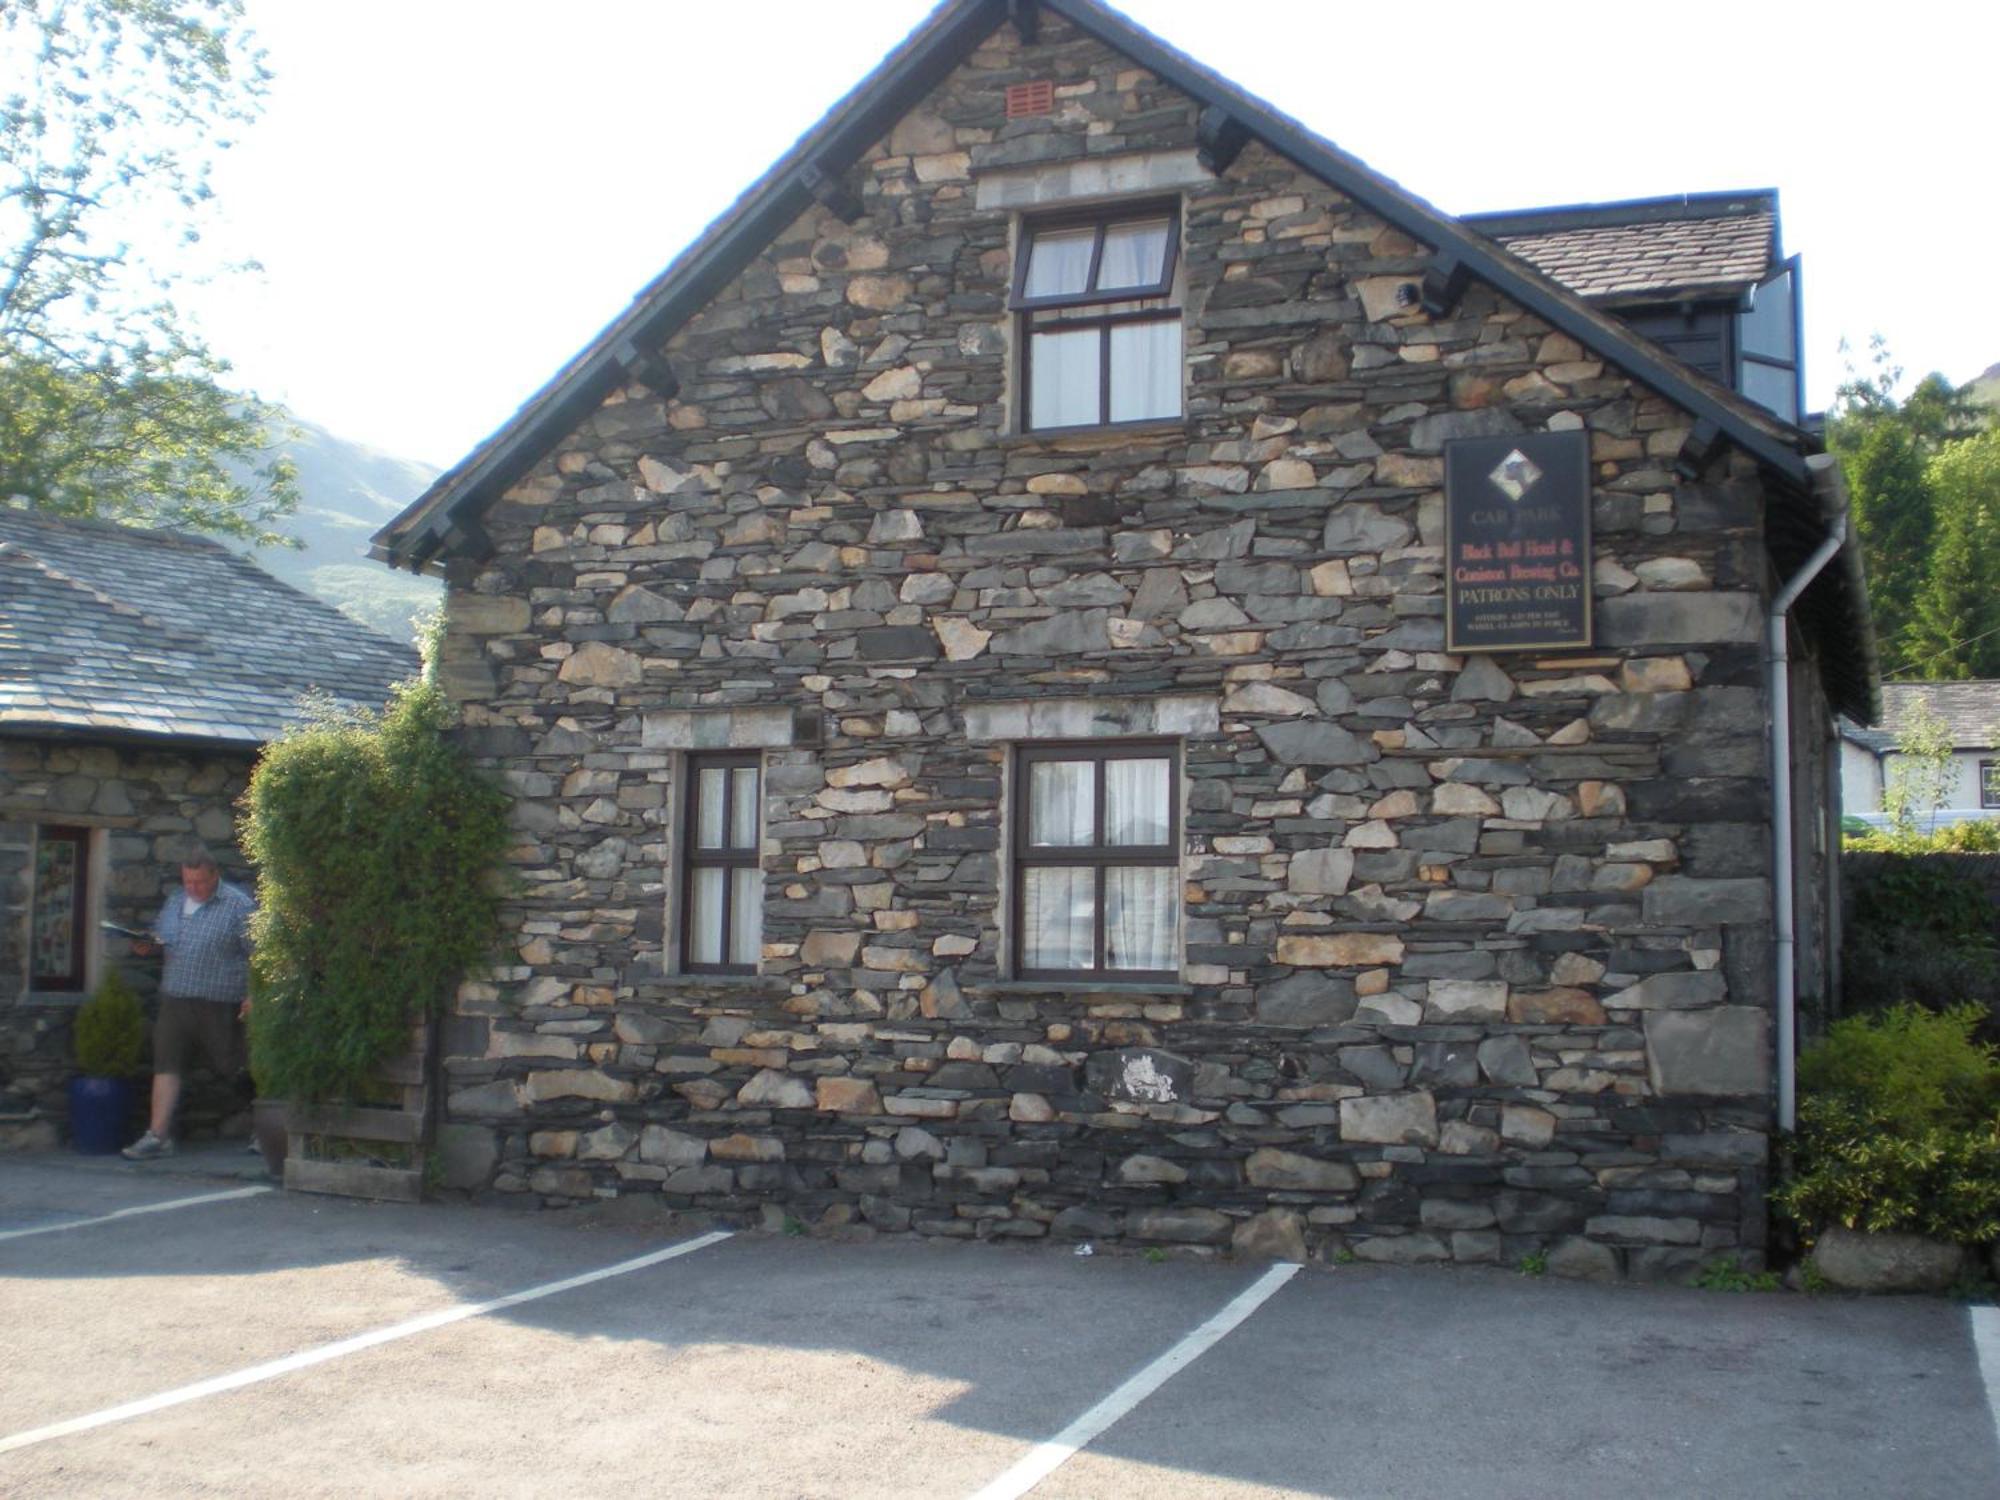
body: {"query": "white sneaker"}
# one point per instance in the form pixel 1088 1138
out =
pixel 149 1147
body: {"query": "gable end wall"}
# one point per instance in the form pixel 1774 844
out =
pixel 1531 1013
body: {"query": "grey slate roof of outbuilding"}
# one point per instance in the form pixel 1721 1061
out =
pixel 1713 243
pixel 113 631
pixel 1970 710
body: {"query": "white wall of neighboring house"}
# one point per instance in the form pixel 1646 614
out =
pixel 1863 777
pixel 1860 780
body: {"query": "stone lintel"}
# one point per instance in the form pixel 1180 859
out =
pixel 717 729
pixel 1080 181
pixel 1092 718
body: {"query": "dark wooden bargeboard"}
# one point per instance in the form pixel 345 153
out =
pixel 1517 542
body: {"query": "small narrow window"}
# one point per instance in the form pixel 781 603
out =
pixel 59 915
pixel 1989 783
pixel 1101 337
pixel 722 886
pixel 1097 881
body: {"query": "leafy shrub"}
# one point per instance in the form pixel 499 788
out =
pixel 1917 1068
pixel 1899 1128
pixel 110 1031
pixel 377 845
pixel 1940 1182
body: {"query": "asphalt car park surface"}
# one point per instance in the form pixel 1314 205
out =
pixel 175 1332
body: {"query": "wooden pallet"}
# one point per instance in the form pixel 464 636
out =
pixel 406 1124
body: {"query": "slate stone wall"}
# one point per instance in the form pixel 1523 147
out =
pixel 144 804
pixel 1476 947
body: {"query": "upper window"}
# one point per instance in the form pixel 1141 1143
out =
pixel 1989 783
pixel 1100 334
pixel 59 920
pixel 722 886
pixel 1097 877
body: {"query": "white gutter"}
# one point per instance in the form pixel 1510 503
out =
pixel 1777 659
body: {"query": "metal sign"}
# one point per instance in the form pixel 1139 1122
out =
pixel 1517 542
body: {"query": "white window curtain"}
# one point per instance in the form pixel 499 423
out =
pixel 1145 370
pixel 1142 912
pixel 1059 262
pixel 1062 809
pixel 1059 917
pixel 1063 382
pixel 1134 255
pixel 1135 802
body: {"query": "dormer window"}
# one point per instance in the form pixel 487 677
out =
pixel 1100 325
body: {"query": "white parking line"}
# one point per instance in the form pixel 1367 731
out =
pixel 308 1357
pixel 1986 1343
pixel 1045 1458
pixel 126 1213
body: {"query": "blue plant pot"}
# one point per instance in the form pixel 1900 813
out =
pixel 98 1108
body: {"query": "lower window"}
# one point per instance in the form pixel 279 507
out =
pixel 722 885
pixel 1097 868
pixel 59 916
pixel 1989 783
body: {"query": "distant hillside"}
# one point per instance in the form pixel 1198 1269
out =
pixel 346 492
pixel 1986 388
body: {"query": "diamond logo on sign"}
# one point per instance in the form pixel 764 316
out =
pixel 1515 475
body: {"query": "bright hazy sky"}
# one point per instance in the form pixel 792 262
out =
pixel 450 198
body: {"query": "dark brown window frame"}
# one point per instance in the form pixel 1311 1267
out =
pixel 1097 855
pixel 80 924
pixel 694 858
pixel 1989 774
pixel 1103 218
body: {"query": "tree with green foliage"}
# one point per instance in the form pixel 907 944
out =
pixel 1953 630
pixel 111 406
pixel 1933 569
pixel 1920 774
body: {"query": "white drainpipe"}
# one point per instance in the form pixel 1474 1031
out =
pixel 1777 656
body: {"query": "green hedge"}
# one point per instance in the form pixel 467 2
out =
pixel 378 848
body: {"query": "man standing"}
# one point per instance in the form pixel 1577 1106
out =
pixel 204 988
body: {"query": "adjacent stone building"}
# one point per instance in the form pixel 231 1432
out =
pixel 140 671
pixel 969 652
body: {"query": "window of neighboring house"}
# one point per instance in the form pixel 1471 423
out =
pixel 59 913
pixel 722 886
pixel 1097 862
pixel 1989 783
pixel 1100 334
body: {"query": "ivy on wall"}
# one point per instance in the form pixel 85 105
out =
pixel 378 847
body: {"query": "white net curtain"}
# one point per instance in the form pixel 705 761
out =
pixel 1140 904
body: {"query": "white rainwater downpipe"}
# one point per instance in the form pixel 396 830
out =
pixel 1777 657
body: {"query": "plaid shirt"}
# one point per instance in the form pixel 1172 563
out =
pixel 208 951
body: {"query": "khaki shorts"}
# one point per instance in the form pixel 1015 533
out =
pixel 187 1024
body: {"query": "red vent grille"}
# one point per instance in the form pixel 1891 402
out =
pixel 1030 99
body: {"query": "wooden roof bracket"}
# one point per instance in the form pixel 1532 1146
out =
pixel 1700 445
pixel 649 367
pixel 1445 277
pixel 1219 138
pixel 831 192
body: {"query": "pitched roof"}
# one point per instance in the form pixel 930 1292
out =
pixel 446 516
pixel 1970 710
pixel 109 630
pixel 1711 243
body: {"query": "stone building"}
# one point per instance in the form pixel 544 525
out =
pixel 140 671
pixel 969 650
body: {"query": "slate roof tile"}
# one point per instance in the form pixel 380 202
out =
pixel 157 633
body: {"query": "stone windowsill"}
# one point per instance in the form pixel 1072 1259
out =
pixel 1097 439
pixel 1157 989
pixel 741 986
